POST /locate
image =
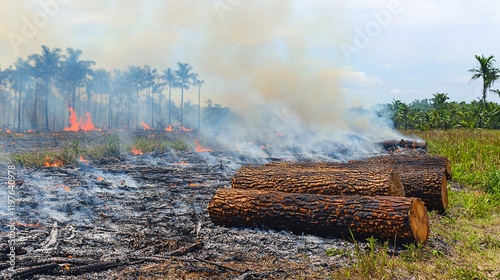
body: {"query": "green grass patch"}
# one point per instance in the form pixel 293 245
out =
pixel 474 154
pixel 108 145
pixel 464 243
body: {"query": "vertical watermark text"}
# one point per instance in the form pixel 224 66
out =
pixel 11 217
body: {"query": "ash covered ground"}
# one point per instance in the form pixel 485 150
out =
pixel 146 216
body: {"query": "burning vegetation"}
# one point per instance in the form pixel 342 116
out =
pixel 156 205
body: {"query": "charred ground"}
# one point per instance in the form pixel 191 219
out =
pixel 130 216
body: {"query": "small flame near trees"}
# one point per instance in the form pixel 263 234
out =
pixel 52 163
pixel 136 151
pixel 82 125
pixel 146 126
pixel 169 128
pixel 64 187
pixel 199 148
pixel 184 129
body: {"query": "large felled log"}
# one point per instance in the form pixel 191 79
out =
pixel 334 181
pixel 402 163
pixel 430 186
pixel 422 176
pixel 383 217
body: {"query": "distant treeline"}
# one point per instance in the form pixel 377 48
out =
pixel 35 93
pixel 438 113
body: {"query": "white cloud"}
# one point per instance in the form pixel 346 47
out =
pixel 358 79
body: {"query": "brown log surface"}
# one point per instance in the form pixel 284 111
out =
pixel 401 163
pixel 402 219
pixel 424 177
pixel 334 181
pixel 430 186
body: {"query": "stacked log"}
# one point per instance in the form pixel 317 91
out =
pixel 403 219
pixel 363 197
pixel 402 163
pixel 424 177
pixel 331 181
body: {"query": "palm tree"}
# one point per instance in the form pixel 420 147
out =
pixel 171 80
pixel 3 84
pixel 19 79
pixel 185 79
pixel 199 84
pixel 48 63
pixel 148 82
pixel 76 73
pixel 134 74
pixel 99 84
pixel 486 71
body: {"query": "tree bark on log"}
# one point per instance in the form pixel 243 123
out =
pixel 333 181
pixel 430 186
pixel 401 163
pixel 423 177
pixel 403 219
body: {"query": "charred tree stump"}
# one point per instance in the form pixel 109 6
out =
pixel 383 217
pixel 334 181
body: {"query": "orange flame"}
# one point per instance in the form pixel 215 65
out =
pixel 169 128
pixel 81 125
pixel 146 126
pixel 136 151
pixel 193 184
pixel 88 125
pixel 63 187
pixel 199 148
pixel 100 179
pixel 8 131
pixel 83 160
pixel 19 224
pixel 185 129
pixel 54 163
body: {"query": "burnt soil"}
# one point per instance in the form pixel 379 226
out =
pixel 144 217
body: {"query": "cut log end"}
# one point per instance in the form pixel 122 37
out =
pixel 419 221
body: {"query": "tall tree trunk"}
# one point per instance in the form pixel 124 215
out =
pixel 47 105
pixel 182 104
pixel 137 107
pixel 19 109
pixel 35 107
pixel 128 109
pixel 89 96
pixel 73 96
pixel 199 108
pixel 152 108
pixel 169 104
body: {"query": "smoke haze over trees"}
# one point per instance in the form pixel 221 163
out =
pixel 36 93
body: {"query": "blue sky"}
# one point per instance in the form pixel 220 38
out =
pixel 250 50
